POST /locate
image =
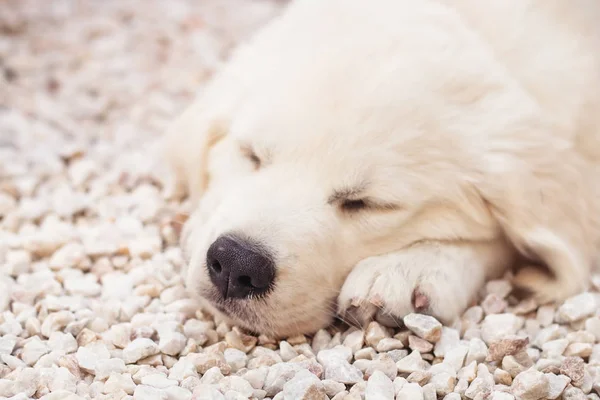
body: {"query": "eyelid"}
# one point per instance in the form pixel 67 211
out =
pixel 372 204
pixel 250 154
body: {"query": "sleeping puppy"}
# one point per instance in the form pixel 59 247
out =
pixel 372 159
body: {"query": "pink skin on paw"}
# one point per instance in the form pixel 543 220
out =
pixel 420 301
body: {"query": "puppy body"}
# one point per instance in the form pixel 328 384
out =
pixel 469 131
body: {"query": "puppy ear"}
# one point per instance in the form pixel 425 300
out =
pixel 542 206
pixel 187 144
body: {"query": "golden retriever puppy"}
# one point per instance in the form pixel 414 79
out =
pixel 375 158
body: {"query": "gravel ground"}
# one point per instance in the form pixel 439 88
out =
pixel 91 302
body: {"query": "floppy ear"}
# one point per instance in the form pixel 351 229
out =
pixel 187 143
pixel 542 203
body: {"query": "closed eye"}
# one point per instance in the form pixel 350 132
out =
pixel 350 201
pixel 249 153
pixel 349 205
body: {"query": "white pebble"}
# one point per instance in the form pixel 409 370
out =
pixel 577 307
pixel 159 381
pixel 424 326
pixel 379 387
pixel 138 349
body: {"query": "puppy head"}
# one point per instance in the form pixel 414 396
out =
pixel 293 194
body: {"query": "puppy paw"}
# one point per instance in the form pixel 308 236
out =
pixel 438 281
pixel 543 287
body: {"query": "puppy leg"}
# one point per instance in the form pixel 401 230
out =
pixel 432 278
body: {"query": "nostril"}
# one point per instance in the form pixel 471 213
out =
pixel 245 281
pixel 216 267
pixel 239 268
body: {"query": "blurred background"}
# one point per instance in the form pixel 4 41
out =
pixel 82 69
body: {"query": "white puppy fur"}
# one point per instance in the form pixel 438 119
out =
pixel 469 130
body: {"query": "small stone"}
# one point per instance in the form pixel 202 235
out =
pixel 178 393
pixel 144 392
pixel 592 325
pixel 159 381
pixel 421 345
pixel 555 348
pixel 502 377
pixel 212 377
pixel 506 346
pixel 382 362
pixel 332 388
pixel 573 393
pixel 367 353
pixel 583 350
pixel 7 344
pixel 549 333
pixel 449 339
pixel 443 382
pixel 70 255
pixel 138 349
pixel 33 350
pixel 482 385
pixel 104 368
pixel 237 359
pixel 17 262
pixel 545 315
pixel 344 395
pixel 358 390
pixel 206 361
pixel 196 330
pixel 493 304
pixel 304 386
pixel 410 391
pixel 478 351
pixel 256 377
pixel 497 326
pixel 277 376
pixel 530 385
pixel 574 368
pixel 85 286
pixel 452 396
pixel 240 341
pixel 581 337
pixel 420 377
pixel 388 344
pixel 397 355
pixel 354 340
pixel 501 396
pixel 341 371
pixel 171 343
pixel 424 326
pixel 374 333
pixel 379 387
pixel 320 340
pixel 411 363
pixel 456 357
pixel 468 373
pixel 577 308
pixel 119 382
pixel 512 366
pixel 556 385
pixel 286 351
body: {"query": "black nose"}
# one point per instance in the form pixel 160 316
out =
pixel 239 268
